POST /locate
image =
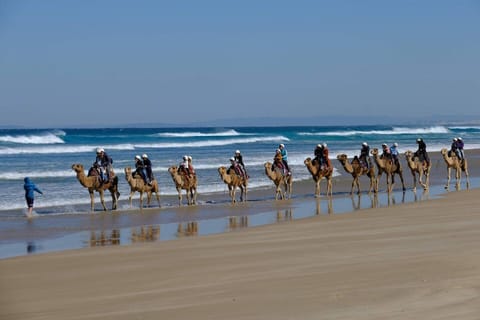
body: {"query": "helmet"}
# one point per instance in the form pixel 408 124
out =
pixel 364 144
pixel 384 145
pixel 232 159
pixel 324 145
pixel 144 155
pixel 190 158
pixel 319 145
pixel 460 138
pixel 395 144
pixel 237 151
pixel 100 150
pixel 138 157
pixel 281 145
pixel 278 151
pixel 185 158
pixel 419 139
pixel 454 139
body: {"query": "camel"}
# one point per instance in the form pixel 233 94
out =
pixel 420 168
pixel 459 166
pixel 390 168
pixel 182 183
pixel 92 183
pixel 317 175
pixel 279 179
pixel 356 170
pixel 138 185
pixel 233 182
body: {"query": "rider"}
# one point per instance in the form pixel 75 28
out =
pixel 190 165
pixel 140 168
pixel 104 163
pixel 364 154
pixel 284 154
pixel 318 152
pixel 460 145
pixel 394 152
pixel 184 166
pixel 147 164
pixel 239 159
pixel 421 152
pixel 325 159
pixel 235 166
pixel 278 161
pixel 454 148
pixel 386 151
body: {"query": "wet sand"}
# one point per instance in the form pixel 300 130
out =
pixel 407 261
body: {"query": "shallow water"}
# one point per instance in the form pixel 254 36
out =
pixel 47 233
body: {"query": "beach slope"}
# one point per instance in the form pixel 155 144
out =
pixel 414 261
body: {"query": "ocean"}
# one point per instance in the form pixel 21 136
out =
pixel 46 155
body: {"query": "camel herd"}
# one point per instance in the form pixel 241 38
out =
pixel 283 183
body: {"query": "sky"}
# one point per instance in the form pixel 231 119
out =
pixel 107 63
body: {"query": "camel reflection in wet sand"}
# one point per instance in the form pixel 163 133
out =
pixel 318 209
pixel 103 238
pixel 187 229
pixel 237 222
pixel 285 215
pixel 145 233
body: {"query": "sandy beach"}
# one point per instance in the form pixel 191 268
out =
pixel 408 261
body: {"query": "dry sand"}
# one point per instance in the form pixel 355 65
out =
pixel 413 261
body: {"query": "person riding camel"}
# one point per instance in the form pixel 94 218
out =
pixel 284 154
pixel 278 162
pixel 318 153
pixel 454 149
pixel 460 146
pixel 235 166
pixel 184 167
pixel 394 152
pixel 421 152
pixel 104 164
pixel 364 155
pixel 190 166
pixel 239 159
pixel 147 164
pixel 325 162
pixel 140 168
pixel 386 151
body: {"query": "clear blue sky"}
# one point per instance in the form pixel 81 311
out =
pixel 65 63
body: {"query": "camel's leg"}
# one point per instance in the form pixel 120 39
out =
pixel 102 200
pixel 317 189
pixel 193 194
pixel 245 193
pixel 354 183
pixel 149 197
pixel 158 198
pixel 466 174
pixel 141 199
pixel 114 194
pixel 232 194
pixel 179 197
pixel 377 182
pixel 92 200
pixel 329 187
pixel 401 179
pixel 188 195
pixel 448 178
pixel 415 180
pixel 132 192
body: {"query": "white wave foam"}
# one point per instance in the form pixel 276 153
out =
pixel 465 128
pixel 187 134
pixel 210 143
pixel 62 149
pixel 393 131
pixel 44 138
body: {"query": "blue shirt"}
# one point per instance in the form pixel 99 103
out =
pixel 283 152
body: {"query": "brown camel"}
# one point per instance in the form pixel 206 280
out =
pixel 138 185
pixel 233 182
pixel 420 168
pixel 184 183
pixel 390 168
pixel 356 170
pixel 279 179
pixel 92 183
pixel 457 164
pixel 317 175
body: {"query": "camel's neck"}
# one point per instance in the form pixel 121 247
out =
pixel 378 161
pixel 347 166
pixel 84 181
pixel 226 178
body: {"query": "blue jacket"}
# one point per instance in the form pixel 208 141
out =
pixel 30 187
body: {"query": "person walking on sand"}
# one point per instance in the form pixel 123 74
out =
pixel 30 187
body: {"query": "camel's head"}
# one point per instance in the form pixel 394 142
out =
pixel 267 165
pixel 222 171
pixel 128 171
pixel 77 167
pixel 173 169
pixel 444 151
pixel 342 158
pixel 408 154
pixel 307 161
pixel 374 151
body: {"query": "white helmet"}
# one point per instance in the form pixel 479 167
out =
pixel 278 151
pixel 460 138
pixel 185 157
pixel 395 144
pixel 237 152
pixel 100 150
pixel 324 145
pixel 138 157
pixel 144 155
pixel 282 145
pixel 190 158
pixel 319 145
pixel 232 159
pixel 455 139
pixel 364 144
pixel 384 145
